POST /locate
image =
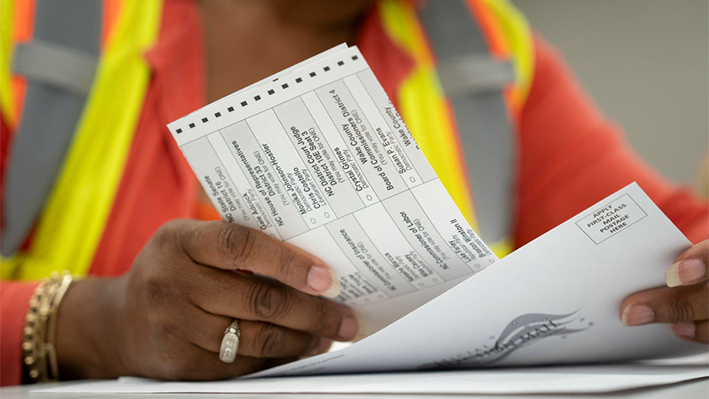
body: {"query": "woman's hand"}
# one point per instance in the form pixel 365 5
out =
pixel 166 317
pixel 684 302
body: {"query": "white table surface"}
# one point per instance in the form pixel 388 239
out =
pixel 688 390
pixel 698 389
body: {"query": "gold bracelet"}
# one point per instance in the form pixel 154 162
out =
pixel 50 347
pixel 39 334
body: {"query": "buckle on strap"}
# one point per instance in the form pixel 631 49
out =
pixel 57 65
pixel 474 73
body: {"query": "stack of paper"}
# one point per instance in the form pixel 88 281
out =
pixel 318 156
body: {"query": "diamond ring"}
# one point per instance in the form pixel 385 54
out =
pixel 230 343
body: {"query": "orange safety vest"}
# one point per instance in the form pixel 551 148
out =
pixel 72 223
pixel 69 230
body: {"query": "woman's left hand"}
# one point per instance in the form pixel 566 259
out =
pixel 684 303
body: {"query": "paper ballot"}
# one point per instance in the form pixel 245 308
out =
pixel 317 156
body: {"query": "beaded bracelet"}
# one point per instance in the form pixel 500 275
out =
pixel 38 349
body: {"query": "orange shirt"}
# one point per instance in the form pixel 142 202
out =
pixel 570 157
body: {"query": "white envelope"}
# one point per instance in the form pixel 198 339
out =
pixel 554 301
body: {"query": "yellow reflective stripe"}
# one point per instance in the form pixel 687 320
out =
pixel 502 247
pixel 401 24
pixel 71 226
pixel 426 113
pixel 394 23
pixel 518 35
pixel 7 106
pixel 424 107
pixel 423 104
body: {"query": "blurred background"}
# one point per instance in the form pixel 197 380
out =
pixel 646 65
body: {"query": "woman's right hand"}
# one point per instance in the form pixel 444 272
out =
pixel 166 317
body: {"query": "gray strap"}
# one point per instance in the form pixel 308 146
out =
pixel 481 116
pixel 474 73
pixel 49 115
pixel 57 65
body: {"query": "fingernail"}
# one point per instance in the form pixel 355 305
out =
pixel 348 328
pixel 635 315
pixel 322 281
pixel 686 272
pixel 684 329
pixel 334 289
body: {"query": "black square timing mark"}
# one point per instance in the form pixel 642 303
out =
pixel 271 92
pixel 230 109
pixel 191 125
pixel 257 98
pixel 178 131
pixel 218 114
pixel 327 68
pixel 355 58
pixel 312 74
pixel 205 120
pixel 284 85
pixel 298 80
pixel 244 103
pixel 340 63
